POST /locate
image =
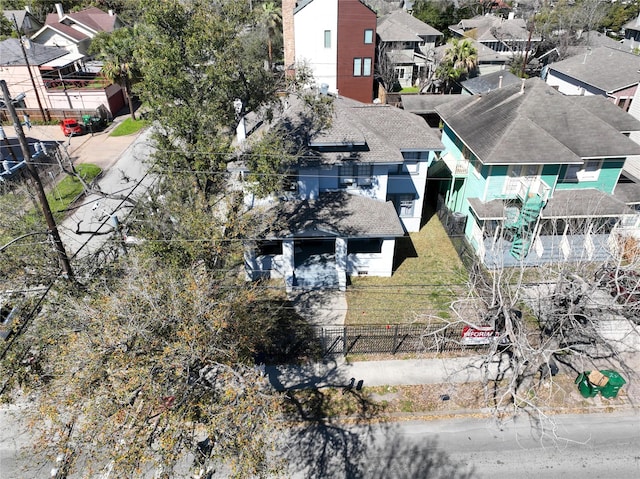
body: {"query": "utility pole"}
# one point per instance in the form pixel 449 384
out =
pixel 44 204
pixel 26 60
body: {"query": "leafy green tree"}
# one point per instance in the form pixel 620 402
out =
pixel 117 51
pixel 6 28
pixel 438 14
pixel 196 59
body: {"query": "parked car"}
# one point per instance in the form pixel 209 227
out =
pixel 70 126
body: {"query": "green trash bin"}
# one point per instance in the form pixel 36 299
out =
pixel 587 390
pixel 610 390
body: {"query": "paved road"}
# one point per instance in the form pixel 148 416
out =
pixel 581 446
pixel 91 220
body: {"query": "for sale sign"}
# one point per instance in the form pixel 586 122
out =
pixel 475 336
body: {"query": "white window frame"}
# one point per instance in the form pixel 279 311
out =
pixel 366 67
pixel 406 205
pixel 589 171
pixel 327 38
pixel 357 67
pixel 368 36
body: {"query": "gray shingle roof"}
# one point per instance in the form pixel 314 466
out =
pixel 384 131
pixel 564 204
pixel 490 81
pixel 490 28
pixel 11 53
pixel 628 193
pixel 605 68
pixel 607 111
pixel 536 125
pixel 336 214
pixel 583 203
pixel 400 26
pixel 421 104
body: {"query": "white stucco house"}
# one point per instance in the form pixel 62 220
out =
pixel 359 185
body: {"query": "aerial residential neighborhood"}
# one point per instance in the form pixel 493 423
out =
pixel 319 238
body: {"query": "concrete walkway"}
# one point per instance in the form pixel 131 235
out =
pixel 338 373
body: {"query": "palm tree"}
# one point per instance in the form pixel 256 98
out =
pixel 462 55
pixel 117 51
pixel 271 20
pixel 460 59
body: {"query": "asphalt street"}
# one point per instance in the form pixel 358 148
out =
pixel 590 446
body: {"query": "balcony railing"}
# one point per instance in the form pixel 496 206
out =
pixel 458 167
pixel 92 82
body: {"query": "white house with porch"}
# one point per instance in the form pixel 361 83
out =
pixel 359 185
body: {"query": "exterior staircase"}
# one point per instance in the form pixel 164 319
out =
pixel 523 225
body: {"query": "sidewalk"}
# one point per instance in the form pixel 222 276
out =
pixel 338 373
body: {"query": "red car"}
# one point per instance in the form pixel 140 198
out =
pixel 70 127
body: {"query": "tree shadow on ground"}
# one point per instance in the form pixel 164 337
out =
pixel 288 338
pixel 358 449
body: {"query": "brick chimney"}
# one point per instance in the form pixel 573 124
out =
pixel 288 36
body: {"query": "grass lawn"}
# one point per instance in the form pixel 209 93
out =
pixel 428 277
pixel 129 127
pixel 69 188
pixel 410 89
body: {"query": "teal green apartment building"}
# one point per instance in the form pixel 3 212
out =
pixel 538 176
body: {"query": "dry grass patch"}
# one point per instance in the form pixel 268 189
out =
pixel 428 276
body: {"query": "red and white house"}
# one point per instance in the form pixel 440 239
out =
pixel 336 40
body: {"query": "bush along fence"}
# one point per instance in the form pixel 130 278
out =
pixel 402 338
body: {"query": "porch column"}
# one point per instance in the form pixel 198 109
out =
pixel 341 263
pixel 288 263
pixel 250 264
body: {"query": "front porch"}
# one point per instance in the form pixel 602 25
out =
pixel 547 249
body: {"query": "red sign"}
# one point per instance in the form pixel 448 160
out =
pixel 482 335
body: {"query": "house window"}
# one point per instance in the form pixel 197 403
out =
pixel 347 175
pixel 369 245
pixel 356 175
pixel 357 67
pixel 266 248
pixel 365 175
pixel 399 73
pixel 368 36
pixel 366 67
pixel 589 171
pixel 327 38
pixel 404 205
pixel 290 183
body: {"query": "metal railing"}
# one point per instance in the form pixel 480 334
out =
pixel 392 339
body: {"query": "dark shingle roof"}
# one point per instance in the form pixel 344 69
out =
pixel 421 104
pixel 607 111
pixel 584 203
pixel 564 204
pixel 11 53
pixel 605 68
pixel 383 132
pixel 400 26
pixel 534 125
pixel 628 193
pixel 490 81
pixel 337 213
